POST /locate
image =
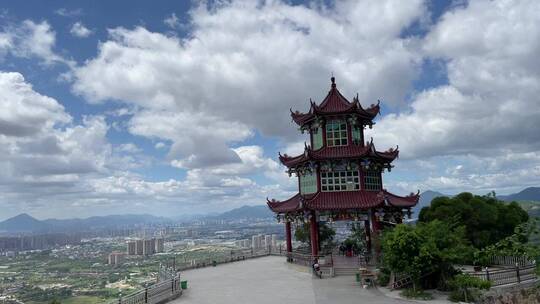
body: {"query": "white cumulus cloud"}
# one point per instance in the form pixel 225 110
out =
pixel 79 30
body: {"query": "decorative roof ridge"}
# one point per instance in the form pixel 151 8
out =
pixel 334 91
pixel 412 194
pixel 335 104
pixel 389 152
pixel 293 203
pixel 368 150
pixel 397 200
pixel 274 201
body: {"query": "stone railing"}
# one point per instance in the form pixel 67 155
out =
pixel 167 288
pixel 235 255
pixel 520 261
pixel 512 275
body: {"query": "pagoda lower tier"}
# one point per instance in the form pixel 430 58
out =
pixel 374 207
pixel 343 200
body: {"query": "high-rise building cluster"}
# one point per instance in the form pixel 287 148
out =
pixel 145 246
pixel 42 241
pixel 116 258
pixel 258 241
pixel 243 243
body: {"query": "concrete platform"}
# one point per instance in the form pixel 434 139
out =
pixel 271 280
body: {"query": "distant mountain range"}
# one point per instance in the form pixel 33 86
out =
pixel 425 201
pixel 246 212
pixel 527 194
pixel 25 223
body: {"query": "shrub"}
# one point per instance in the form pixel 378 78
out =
pixel 467 288
pixel 419 294
pixel 383 278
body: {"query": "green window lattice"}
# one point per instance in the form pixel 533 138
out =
pixel 356 135
pixel 340 181
pixel 372 180
pixel 336 133
pixel 317 139
pixel 308 183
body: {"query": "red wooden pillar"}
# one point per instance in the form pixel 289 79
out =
pixel 375 226
pixel 317 236
pixel 313 235
pixel 375 233
pixel 288 236
pixel 367 229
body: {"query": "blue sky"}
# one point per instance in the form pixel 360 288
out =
pixel 180 107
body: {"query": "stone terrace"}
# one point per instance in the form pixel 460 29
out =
pixel 270 280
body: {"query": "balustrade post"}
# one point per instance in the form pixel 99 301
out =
pixel 146 295
pixel 313 235
pixel 517 273
pixel 487 274
pixel 288 239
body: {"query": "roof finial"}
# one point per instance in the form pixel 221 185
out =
pixel 333 79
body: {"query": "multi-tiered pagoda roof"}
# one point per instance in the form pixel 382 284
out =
pixel 355 156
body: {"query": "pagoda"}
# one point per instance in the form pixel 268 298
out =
pixel 340 173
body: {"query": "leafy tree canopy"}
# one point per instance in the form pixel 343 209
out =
pixel 486 220
pixel 514 245
pixel 426 248
pixel 326 234
pixel 357 239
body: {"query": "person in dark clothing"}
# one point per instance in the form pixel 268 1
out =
pixel 317 268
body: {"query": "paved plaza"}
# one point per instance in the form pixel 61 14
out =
pixel 271 280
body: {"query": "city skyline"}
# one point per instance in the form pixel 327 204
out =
pixel 182 108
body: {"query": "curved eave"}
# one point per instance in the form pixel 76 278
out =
pixel 402 201
pixel 343 200
pixel 302 119
pixel 290 205
pixel 345 152
pixel 289 161
pixel 389 156
pixel 372 111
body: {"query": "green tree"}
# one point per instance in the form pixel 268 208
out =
pixel 326 234
pixel 486 220
pixel 357 239
pixel 514 245
pixel 428 248
pixel 402 252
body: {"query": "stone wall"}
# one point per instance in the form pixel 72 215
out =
pixel 525 293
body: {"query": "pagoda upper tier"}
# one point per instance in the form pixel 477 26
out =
pixel 336 104
pixel 349 152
